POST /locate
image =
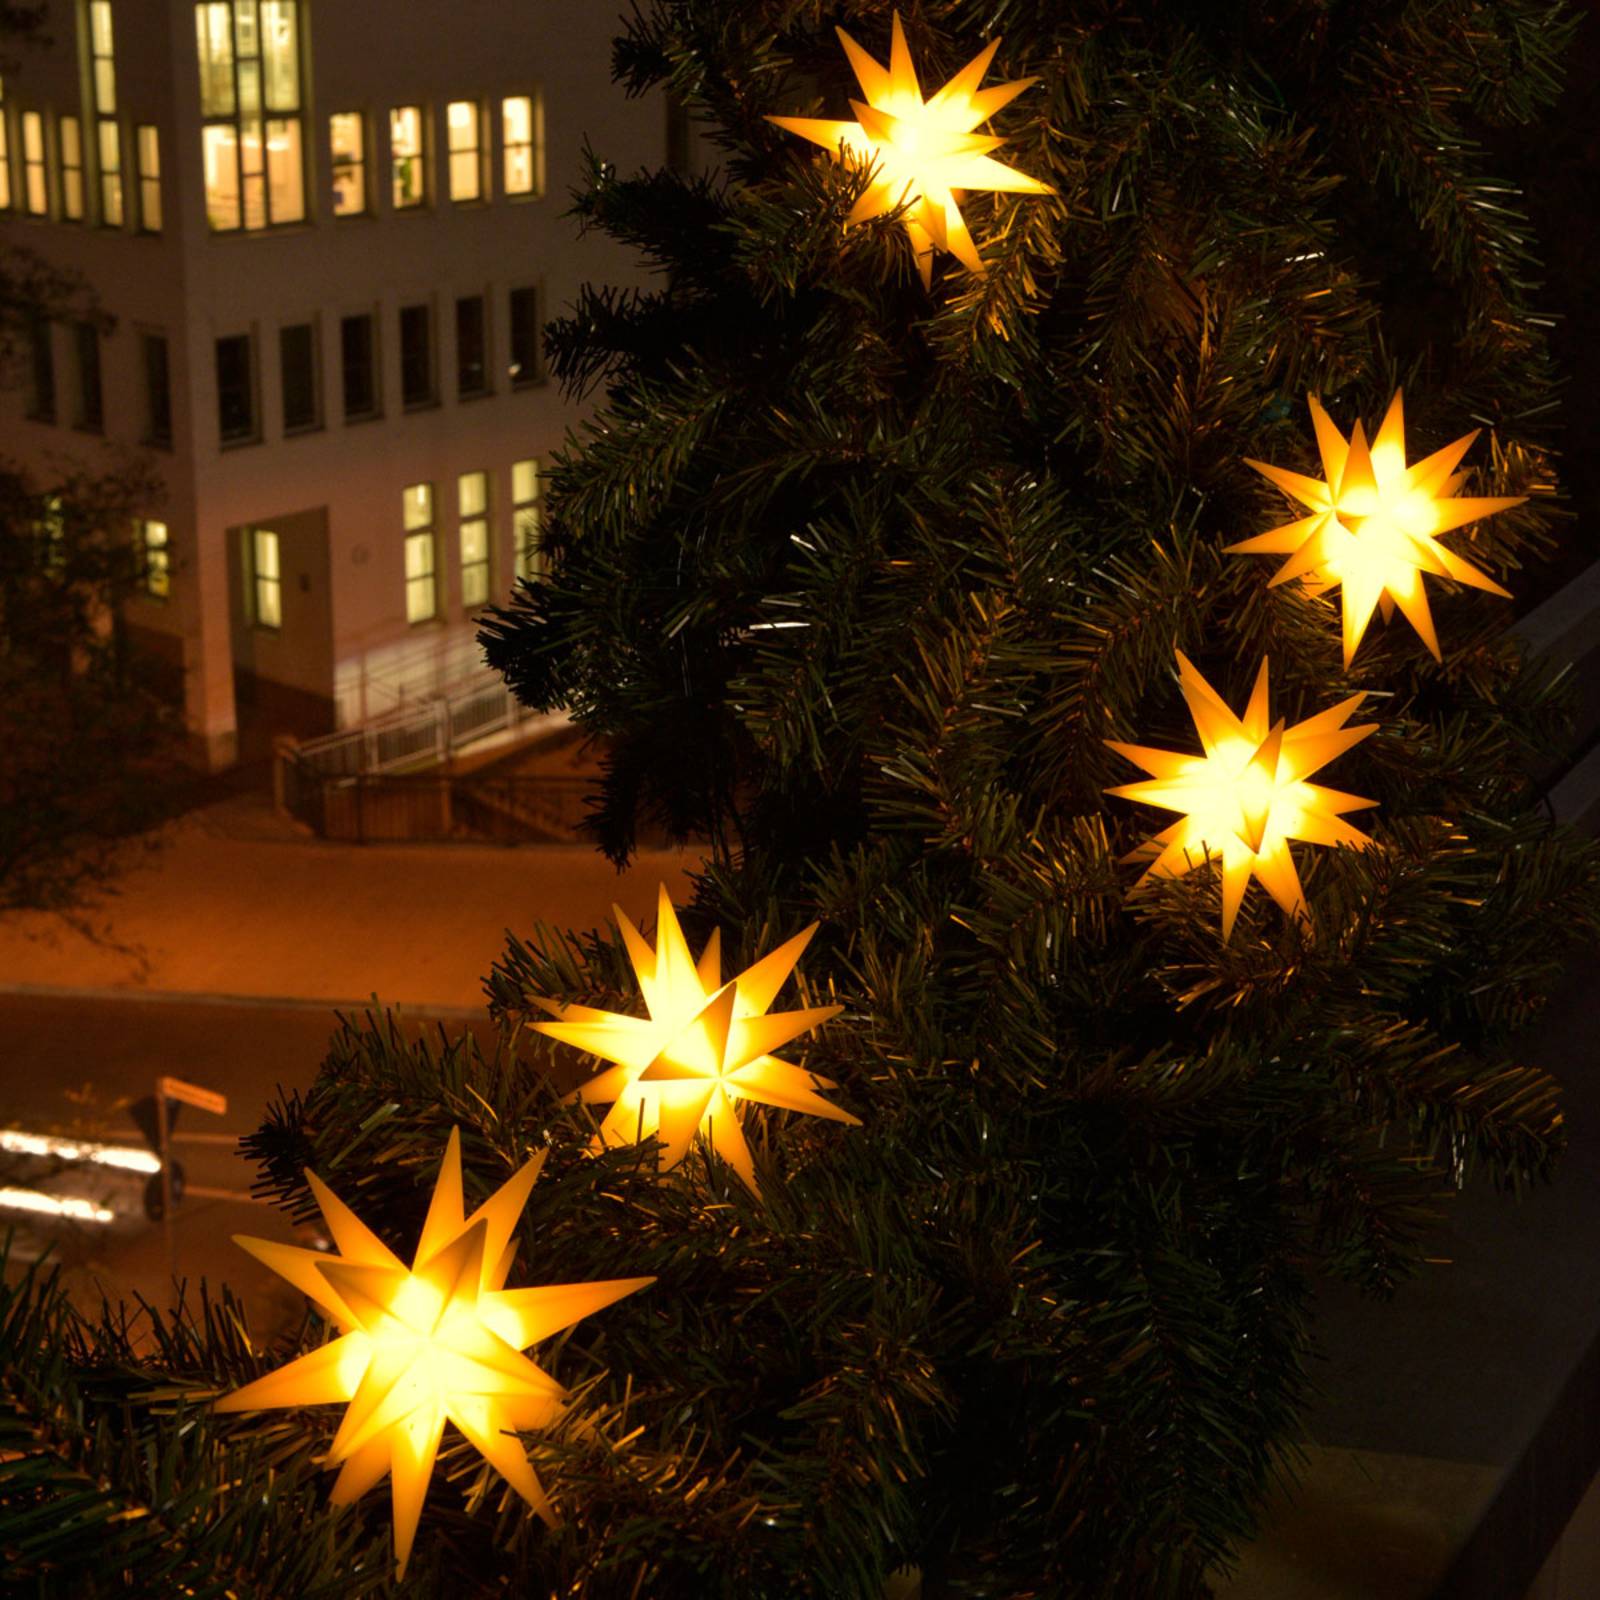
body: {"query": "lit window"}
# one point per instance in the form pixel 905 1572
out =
pixel 347 142
pixel 103 93
pixel 52 528
pixel 147 144
pixel 154 553
pixel 527 362
pixel 407 155
pixel 266 578
pixel 417 517
pixel 5 154
pixel 525 517
pixel 472 490
pixel 522 139
pixel 69 132
pixel 251 143
pixel 236 390
pixel 35 191
pixel 465 124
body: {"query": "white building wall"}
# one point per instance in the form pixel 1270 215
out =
pixel 345 641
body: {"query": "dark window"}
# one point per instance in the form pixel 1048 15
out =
pixel 472 356
pixel 297 349
pixel 416 356
pixel 41 373
pixel 158 391
pixel 91 409
pixel 527 363
pixel 236 397
pixel 358 357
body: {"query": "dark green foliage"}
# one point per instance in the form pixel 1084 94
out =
pixel 855 581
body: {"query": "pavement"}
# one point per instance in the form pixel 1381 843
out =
pixel 238 902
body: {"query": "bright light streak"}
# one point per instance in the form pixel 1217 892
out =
pixel 131 1159
pixel 55 1205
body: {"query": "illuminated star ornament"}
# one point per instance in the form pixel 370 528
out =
pixel 440 1340
pixel 1246 797
pixel 1375 524
pixel 705 1046
pixel 922 153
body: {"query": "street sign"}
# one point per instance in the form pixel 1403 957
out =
pixel 192 1094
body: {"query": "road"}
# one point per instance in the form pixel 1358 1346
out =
pixel 72 1065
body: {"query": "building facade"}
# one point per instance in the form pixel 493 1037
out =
pixel 329 235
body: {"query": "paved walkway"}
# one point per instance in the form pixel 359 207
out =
pixel 240 902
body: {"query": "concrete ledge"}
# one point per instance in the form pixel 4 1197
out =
pixel 1567 625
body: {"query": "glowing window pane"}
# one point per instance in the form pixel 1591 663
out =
pixel 462 123
pixel 417 506
pixel 347 143
pixel 280 50
pixel 522 141
pixel 149 154
pixel 157 571
pixel 214 40
pixel 268 583
pixel 69 134
pixel 219 148
pixel 286 195
pixel 36 195
pixel 409 176
pixel 525 517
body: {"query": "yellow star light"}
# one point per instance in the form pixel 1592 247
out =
pixel 1375 524
pixel 1246 797
pixel 437 1341
pixel 923 153
pixel 705 1046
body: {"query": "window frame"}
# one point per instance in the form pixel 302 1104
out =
pixel 431 350
pixel 533 145
pixel 35 166
pixel 374 367
pixel 519 379
pixel 419 531
pixel 89 409
pixel 485 364
pixel 263 121
pixel 74 189
pixel 362 166
pixel 111 201
pixel 479 571
pixel 7 198
pixel 314 423
pixel 483 190
pixel 262 582
pixel 147 174
pixel 527 515
pixel 234 441
pixel 155 559
pixel 424 199
pixel 155 435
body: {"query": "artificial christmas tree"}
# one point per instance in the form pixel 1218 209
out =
pixel 856 576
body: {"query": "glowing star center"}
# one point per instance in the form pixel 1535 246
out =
pixel 920 153
pixel 440 1342
pixel 1375 524
pixel 1245 798
pixel 705 1045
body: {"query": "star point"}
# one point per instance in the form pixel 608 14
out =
pixel 1245 797
pixel 1374 526
pixel 440 1341
pixel 922 153
pixel 680 1073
